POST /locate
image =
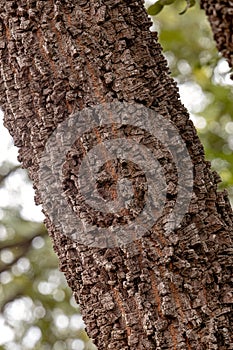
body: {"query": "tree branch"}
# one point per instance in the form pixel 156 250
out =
pixel 23 245
pixel 24 242
pixel 220 15
pixel 11 171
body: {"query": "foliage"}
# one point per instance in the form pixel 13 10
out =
pixel 157 6
pixel 203 77
pixel 37 308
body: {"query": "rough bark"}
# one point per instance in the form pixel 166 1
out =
pixel 161 291
pixel 220 15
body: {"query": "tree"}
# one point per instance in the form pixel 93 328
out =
pixel 159 291
pixel 36 306
pixel 220 17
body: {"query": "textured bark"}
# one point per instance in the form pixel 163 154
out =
pixel 160 292
pixel 220 15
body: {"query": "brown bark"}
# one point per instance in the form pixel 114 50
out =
pixel 220 15
pixel 161 291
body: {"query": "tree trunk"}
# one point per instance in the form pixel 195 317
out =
pixel 220 15
pixel 160 291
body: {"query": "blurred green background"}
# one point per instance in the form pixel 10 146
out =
pixel 37 308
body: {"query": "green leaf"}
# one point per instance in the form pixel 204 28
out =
pixel 166 2
pixel 154 9
pixel 190 3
